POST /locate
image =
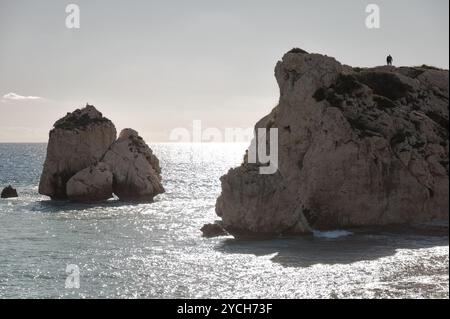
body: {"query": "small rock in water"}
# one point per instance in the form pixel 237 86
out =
pixel 213 230
pixel 9 192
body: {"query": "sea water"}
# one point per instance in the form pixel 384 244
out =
pixel 125 250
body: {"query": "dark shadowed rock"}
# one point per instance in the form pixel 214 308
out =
pixel 9 192
pixel 213 230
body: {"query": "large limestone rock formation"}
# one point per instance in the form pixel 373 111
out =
pixel 357 147
pixel 77 141
pixel 86 163
pixel 136 170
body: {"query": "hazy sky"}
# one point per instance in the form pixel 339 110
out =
pixel 158 65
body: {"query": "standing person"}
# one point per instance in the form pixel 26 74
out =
pixel 389 60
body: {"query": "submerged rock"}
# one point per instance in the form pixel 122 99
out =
pixel 9 192
pixel 357 147
pixel 92 184
pixel 213 230
pixel 86 163
pixel 136 170
pixel 78 140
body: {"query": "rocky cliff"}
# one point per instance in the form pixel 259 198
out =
pixel 86 163
pixel 357 147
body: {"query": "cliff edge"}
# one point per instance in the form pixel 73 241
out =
pixel 356 146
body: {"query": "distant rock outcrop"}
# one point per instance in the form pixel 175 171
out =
pixel 9 192
pixel 85 163
pixel 357 147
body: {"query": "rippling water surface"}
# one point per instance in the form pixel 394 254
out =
pixel 156 250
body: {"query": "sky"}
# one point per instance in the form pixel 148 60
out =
pixel 156 66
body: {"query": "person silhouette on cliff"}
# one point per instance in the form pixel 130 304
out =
pixel 389 60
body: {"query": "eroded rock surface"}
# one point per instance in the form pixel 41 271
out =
pixel 136 170
pixel 357 147
pixel 86 163
pixel 77 141
pixel 92 184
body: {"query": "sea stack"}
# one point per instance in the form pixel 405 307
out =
pixel 78 166
pixel 357 147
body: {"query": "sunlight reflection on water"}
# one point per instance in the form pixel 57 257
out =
pixel 156 250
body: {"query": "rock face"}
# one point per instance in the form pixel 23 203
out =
pixel 92 184
pixel 357 147
pixel 136 170
pixel 86 163
pixel 9 192
pixel 78 140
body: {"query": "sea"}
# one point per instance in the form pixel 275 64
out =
pixel 124 250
